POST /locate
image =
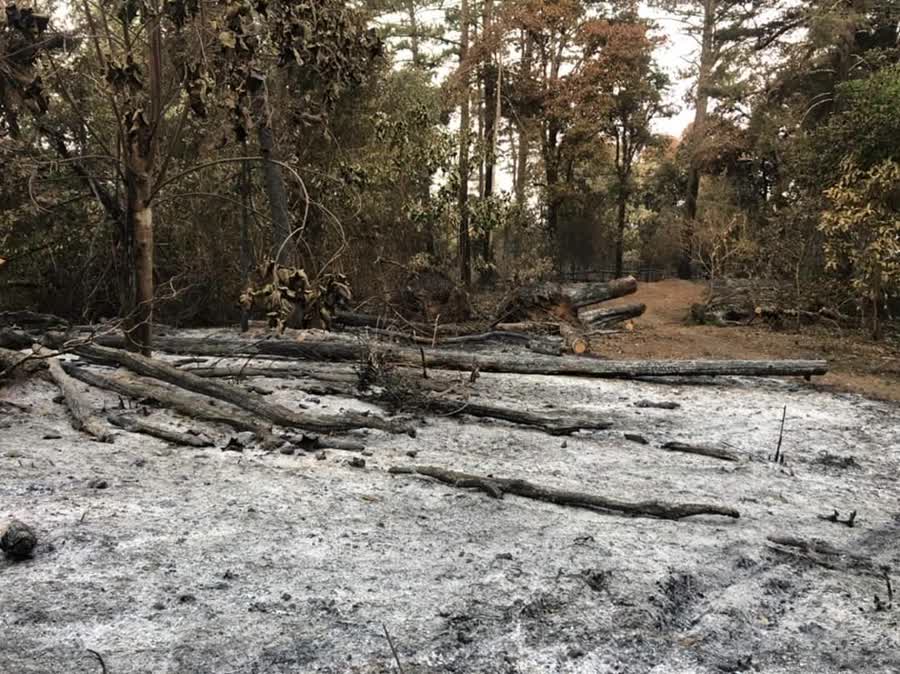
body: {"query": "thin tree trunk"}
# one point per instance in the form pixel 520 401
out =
pixel 620 231
pixel 274 181
pixel 246 255
pixel 413 33
pixel 465 267
pixel 490 89
pixel 142 331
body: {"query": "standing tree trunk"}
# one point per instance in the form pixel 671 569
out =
pixel 142 148
pixel 522 128
pixel 465 266
pixel 246 255
pixel 491 118
pixel 274 181
pixel 620 230
pixel 708 58
pixel 140 330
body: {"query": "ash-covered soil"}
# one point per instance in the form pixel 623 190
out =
pixel 221 561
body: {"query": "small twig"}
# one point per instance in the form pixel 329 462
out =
pixel 779 458
pixel 393 650
pixel 435 335
pixel 424 369
pixel 887 580
pixel 99 659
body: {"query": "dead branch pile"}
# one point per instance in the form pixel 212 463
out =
pixel 732 302
pixel 549 318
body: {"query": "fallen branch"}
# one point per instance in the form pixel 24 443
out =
pixel 193 406
pixel 278 414
pixel 836 518
pixel 136 425
pixel 821 553
pixel 83 416
pixel 702 450
pixel 662 405
pixel 496 487
pixel 552 424
pixel 11 361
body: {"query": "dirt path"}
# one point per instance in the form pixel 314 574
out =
pixel 857 365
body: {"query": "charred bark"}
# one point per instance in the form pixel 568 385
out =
pixel 496 487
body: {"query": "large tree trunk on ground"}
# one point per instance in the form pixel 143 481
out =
pixel 606 316
pixel 562 299
pixel 519 363
pixel 278 414
pixel 498 486
pixel 84 418
pixel 575 339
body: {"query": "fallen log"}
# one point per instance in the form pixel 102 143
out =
pixel 703 450
pixel 193 406
pixel 278 414
pixel 544 345
pixel 496 487
pixel 353 319
pixel 606 316
pixel 32 320
pixel 561 299
pixel 83 416
pixel 575 339
pixel 11 361
pixel 522 363
pixel 135 425
pixel 345 383
pixel 822 553
pixel 540 327
pixel 552 424
pixel 14 339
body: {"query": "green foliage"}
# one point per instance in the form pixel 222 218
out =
pixel 862 228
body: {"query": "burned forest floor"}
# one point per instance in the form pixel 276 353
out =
pixel 236 547
pixel 159 558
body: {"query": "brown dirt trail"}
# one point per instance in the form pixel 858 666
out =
pixel 856 364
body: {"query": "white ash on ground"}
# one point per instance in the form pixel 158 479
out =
pixel 204 560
